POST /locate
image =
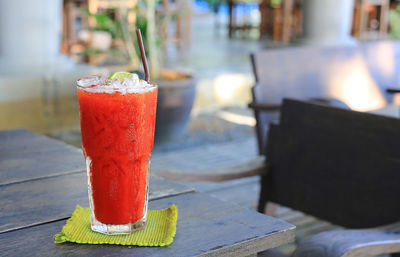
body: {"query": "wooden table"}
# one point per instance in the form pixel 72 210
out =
pixel 42 180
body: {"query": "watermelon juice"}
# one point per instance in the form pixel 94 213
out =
pixel 117 125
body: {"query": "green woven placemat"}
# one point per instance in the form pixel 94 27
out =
pixel 160 230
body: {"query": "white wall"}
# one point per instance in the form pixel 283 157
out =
pixel 30 34
pixel 327 22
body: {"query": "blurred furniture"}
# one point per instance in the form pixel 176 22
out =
pixel 73 21
pixel 280 22
pixel 269 17
pixel 83 39
pixel 370 20
pixel 290 20
pixel 233 24
pixel 354 75
pixel 42 180
pixel 179 11
pixel 341 166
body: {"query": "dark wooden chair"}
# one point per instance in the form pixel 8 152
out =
pixel 339 165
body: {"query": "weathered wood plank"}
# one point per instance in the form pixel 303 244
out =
pixel 207 187
pixel 210 157
pixel 206 227
pixel 25 156
pixel 245 195
pixel 23 166
pixel 22 141
pixel 54 198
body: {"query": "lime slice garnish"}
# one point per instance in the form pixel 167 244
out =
pixel 121 75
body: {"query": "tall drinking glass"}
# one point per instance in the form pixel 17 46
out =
pixel 117 126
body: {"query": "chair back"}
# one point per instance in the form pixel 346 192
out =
pixel 336 164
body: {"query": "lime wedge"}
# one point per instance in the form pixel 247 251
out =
pixel 121 75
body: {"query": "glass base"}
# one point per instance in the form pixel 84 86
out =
pixel 121 229
pixel 116 229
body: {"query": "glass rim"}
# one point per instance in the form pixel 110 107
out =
pixel 99 84
pixel 90 81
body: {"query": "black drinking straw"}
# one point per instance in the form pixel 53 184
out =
pixel 143 54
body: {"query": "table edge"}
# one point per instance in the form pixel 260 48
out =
pixel 255 245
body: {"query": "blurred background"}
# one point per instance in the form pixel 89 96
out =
pixel 45 45
pixel 344 51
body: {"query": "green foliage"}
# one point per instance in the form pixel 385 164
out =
pixel 142 24
pixel 276 3
pixel 394 20
pixel 91 51
pixel 104 22
pixel 213 3
pixel 150 26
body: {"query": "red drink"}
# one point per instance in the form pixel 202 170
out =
pixel 117 128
